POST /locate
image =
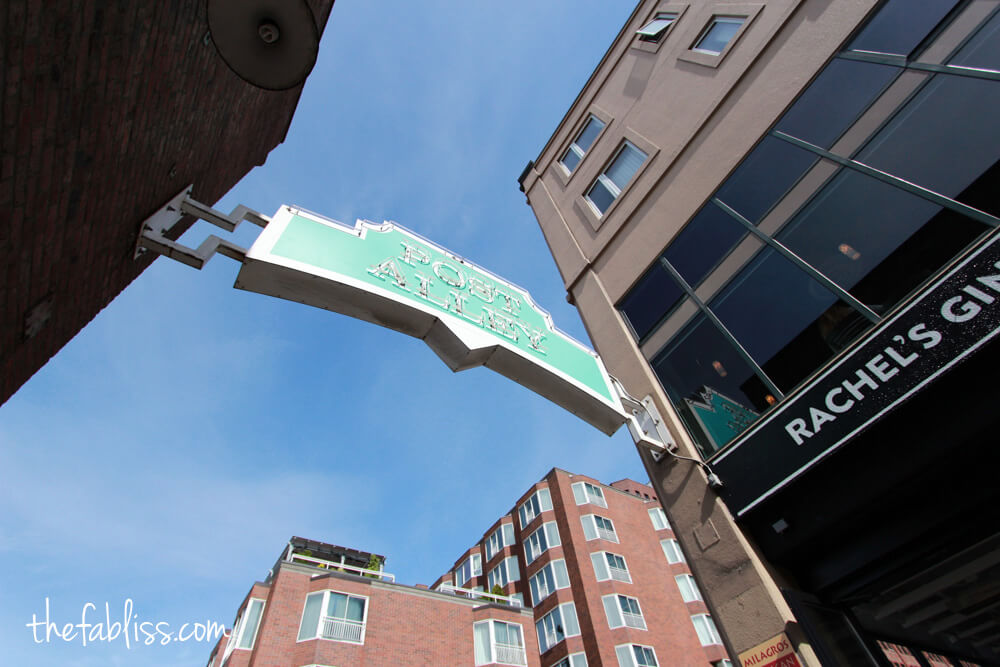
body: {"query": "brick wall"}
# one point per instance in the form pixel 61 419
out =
pixel 109 109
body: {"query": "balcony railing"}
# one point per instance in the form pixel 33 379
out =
pixel 478 595
pixel 620 574
pixel 342 630
pixel 606 534
pixel 339 567
pixel 634 620
pixel 510 654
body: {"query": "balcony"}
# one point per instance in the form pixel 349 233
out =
pixel 634 620
pixel 342 630
pixel 479 595
pixel 620 574
pixel 510 654
pixel 339 567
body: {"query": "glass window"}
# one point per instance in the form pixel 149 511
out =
pixel 717 394
pixel 573 660
pixel 945 140
pixel 672 550
pixel 764 176
pixel 650 299
pixel 595 527
pixel 498 539
pixel 585 492
pixel 497 642
pixel 705 627
pixel 788 322
pixel 574 154
pixel 983 50
pixel 470 567
pixel 655 29
pixel 555 626
pixel 874 240
pixel 719 34
pixel 546 537
pixel 703 243
pixel 540 501
pixel 335 616
pixel 549 579
pixel 610 184
pixel 838 96
pixel 504 573
pixel 246 626
pixel 610 566
pixel 688 587
pixel 623 611
pixel 659 518
pixel 901 25
pixel 634 655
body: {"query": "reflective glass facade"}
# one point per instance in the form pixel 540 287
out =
pixel 878 176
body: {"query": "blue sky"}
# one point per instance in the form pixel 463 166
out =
pixel 167 453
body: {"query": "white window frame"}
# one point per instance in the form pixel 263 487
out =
pixel 475 568
pixel 572 660
pixel 618 617
pixel 323 606
pixel 526 512
pixel 498 540
pixel 591 494
pixel 595 532
pixel 659 518
pixel 740 21
pixel 240 629
pixel 631 662
pixel 610 185
pixel 537 582
pixel 609 571
pixel 648 34
pixel 509 574
pixel 540 541
pixel 688 588
pixel 707 631
pixel 559 618
pixel 672 551
pixel 496 657
pixel 578 150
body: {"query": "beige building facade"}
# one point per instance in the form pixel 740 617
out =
pixel 777 221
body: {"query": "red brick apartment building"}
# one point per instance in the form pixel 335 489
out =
pixel 600 568
pixel 321 606
pixel 589 575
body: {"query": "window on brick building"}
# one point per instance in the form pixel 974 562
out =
pixel 504 573
pixel 623 611
pixel 659 519
pixel 546 537
pixel 540 501
pixel 470 567
pixel 672 550
pixel 688 587
pixel 334 616
pixel 499 643
pixel 610 566
pixel 585 492
pixel 498 539
pixel 708 634
pixel 556 625
pixel 573 660
pixel 549 579
pixel 595 527
pixel 634 655
pixel 245 628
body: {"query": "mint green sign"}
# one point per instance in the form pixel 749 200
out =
pixel 385 274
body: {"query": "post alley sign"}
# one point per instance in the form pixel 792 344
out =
pixel 944 324
pixel 382 273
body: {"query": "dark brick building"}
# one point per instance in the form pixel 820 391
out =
pixel 109 110
pixel 602 571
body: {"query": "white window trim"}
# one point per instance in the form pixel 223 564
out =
pixel 525 507
pixel 631 654
pixel 494 657
pixel 675 548
pixel 611 186
pixel 611 577
pixel 239 629
pixel 555 580
pixel 575 148
pixel 597 532
pixel 529 555
pixel 322 614
pixel 646 34
pixel 658 511
pixel 583 485
pixel 502 566
pixel 562 622
pixel 621 614
pixel 572 660
pixel 692 586
pixel 501 542
pixel 710 628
